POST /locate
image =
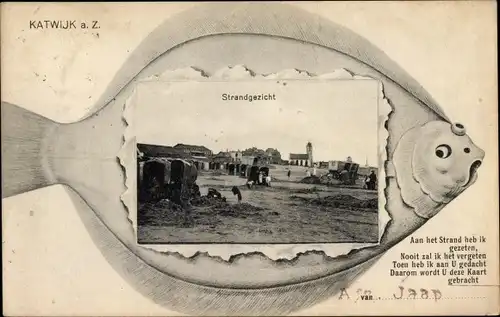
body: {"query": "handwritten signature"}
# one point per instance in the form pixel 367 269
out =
pixel 401 293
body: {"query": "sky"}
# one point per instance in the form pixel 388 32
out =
pixel 339 117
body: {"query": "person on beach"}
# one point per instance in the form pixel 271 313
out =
pixel 236 191
pixel 373 180
pixel 365 182
pixel 268 180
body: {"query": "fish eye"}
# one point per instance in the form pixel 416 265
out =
pixel 443 151
pixel 467 150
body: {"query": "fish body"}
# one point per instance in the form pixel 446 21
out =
pixel 83 156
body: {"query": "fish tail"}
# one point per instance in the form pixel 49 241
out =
pixel 23 143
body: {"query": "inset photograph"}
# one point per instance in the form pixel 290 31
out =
pixel 257 162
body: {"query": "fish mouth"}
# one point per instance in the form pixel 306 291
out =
pixel 473 173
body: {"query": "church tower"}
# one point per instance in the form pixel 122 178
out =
pixel 309 149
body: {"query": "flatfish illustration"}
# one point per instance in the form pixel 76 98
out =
pixel 430 159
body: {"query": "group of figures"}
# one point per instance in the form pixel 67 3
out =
pixel 258 176
pixel 160 178
pixel 370 181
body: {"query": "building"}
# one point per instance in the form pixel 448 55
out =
pixel 274 156
pixel 255 160
pixel 303 159
pixel 198 155
pixel 309 150
pixel 195 150
pixel 323 164
pixel 150 150
pixel 248 159
pixel 222 157
pixel 299 159
pixel 235 156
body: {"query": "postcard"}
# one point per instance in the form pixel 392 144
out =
pixel 249 158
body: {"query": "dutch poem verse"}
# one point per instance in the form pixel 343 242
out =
pixel 459 259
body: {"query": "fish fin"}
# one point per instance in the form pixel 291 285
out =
pixel 402 161
pixel 24 160
pixel 425 207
